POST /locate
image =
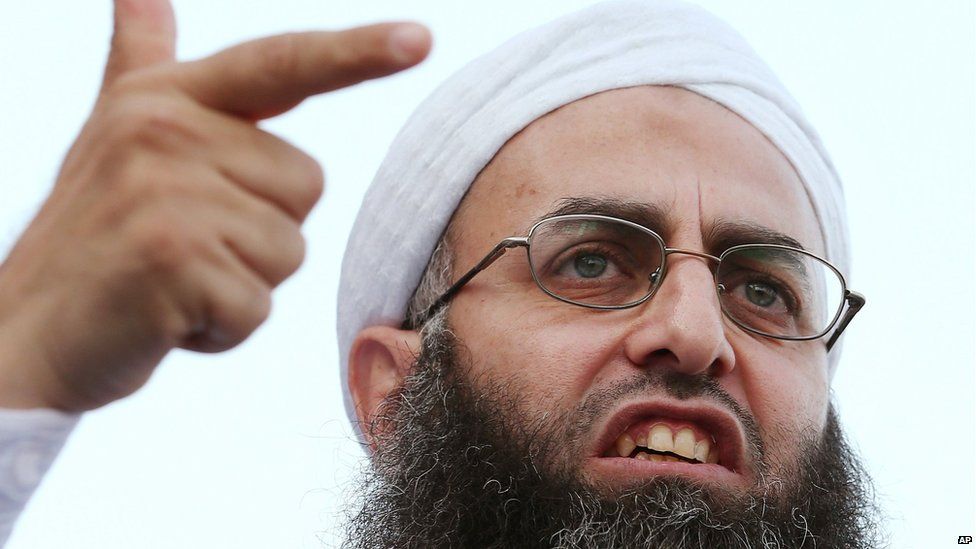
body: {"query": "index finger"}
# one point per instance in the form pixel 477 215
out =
pixel 269 76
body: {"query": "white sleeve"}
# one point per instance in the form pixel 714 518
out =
pixel 29 442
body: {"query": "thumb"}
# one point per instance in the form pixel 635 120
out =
pixel 145 35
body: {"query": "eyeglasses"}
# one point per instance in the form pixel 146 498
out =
pixel 602 262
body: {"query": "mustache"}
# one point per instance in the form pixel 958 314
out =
pixel 662 382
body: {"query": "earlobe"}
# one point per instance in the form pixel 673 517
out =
pixel 380 357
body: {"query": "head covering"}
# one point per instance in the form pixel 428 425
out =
pixel 458 129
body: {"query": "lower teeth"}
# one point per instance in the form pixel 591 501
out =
pixel 662 456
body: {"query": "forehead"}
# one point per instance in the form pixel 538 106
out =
pixel 667 147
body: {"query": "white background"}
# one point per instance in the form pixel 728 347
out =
pixel 250 448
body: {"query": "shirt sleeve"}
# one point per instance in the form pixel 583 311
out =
pixel 29 442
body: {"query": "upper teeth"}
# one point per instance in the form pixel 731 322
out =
pixel 661 438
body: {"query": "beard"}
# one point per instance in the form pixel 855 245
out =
pixel 458 464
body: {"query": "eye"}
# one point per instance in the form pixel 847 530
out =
pixel 776 291
pixel 590 265
pixel 592 262
pixel 761 294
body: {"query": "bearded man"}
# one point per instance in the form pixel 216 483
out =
pixel 652 371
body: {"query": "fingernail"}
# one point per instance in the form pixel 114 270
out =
pixel 409 42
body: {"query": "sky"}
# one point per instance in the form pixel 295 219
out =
pixel 250 448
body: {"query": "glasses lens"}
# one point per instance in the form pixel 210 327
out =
pixel 779 292
pixel 593 261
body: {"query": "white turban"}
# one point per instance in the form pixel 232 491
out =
pixel 460 127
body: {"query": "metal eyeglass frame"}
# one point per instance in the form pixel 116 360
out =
pixel 853 300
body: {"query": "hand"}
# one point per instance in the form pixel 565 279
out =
pixel 173 216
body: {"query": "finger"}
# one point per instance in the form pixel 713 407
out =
pixel 144 35
pixel 263 237
pixel 233 302
pixel 200 293
pixel 206 210
pixel 259 162
pixel 269 76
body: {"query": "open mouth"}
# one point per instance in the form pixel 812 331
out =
pixel 660 442
pixel 681 433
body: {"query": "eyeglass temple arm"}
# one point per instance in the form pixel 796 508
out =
pixel 496 252
pixel 854 303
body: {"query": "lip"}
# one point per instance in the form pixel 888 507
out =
pixel 724 428
pixel 620 473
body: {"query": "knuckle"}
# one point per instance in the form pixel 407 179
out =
pixel 280 57
pixel 312 181
pixel 151 122
pixel 233 319
pixel 162 246
pixel 283 250
pixel 136 174
pixel 346 54
pixel 127 84
pixel 255 308
pixel 261 304
pixel 143 182
pixel 293 254
pixel 122 191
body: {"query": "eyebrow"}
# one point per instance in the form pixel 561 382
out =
pixel 650 216
pixel 723 234
pixel 719 235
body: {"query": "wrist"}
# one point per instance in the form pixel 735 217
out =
pixel 26 380
pixel 18 390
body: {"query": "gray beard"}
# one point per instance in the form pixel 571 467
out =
pixel 459 465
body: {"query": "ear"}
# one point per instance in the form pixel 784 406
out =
pixel 379 359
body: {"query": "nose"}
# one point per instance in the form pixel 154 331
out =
pixel 682 324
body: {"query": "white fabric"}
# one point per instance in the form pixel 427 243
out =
pixel 461 126
pixel 29 442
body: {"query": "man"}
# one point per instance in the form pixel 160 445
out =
pixel 653 372
pixel 597 391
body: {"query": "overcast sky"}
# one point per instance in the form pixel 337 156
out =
pixel 250 448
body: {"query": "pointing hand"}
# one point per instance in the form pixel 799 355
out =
pixel 174 215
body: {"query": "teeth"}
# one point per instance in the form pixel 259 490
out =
pixel 701 450
pixel 642 440
pixel 660 438
pixel 684 443
pixel 625 445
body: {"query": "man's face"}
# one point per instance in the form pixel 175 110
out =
pixel 708 170
pixel 507 432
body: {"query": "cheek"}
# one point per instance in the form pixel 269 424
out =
pixel 550 352
pixel 787 389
